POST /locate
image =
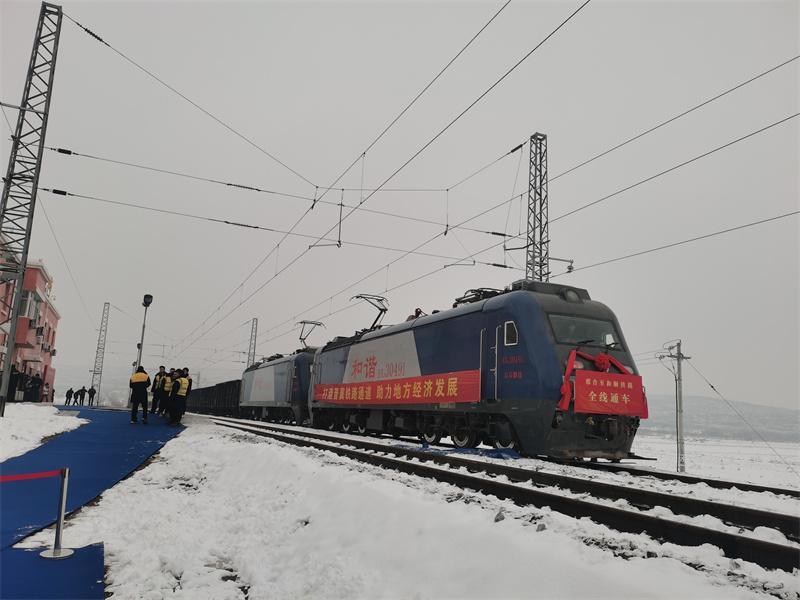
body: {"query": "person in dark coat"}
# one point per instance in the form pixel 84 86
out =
pixel 140 381
pixel 13 384
pixel 70 392
pixel 164 407
pixel 33 389
pixel 158 388
pixel 81 394
pixel 177 404
pixel 91 393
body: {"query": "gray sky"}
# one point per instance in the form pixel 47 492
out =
pixel 313 83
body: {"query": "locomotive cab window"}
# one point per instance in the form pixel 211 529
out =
pixel 583 331
pixel 510 333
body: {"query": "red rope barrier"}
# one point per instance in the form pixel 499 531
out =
pixel 43 474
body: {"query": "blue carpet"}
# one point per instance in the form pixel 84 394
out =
pixel 98 454
pixel 79 576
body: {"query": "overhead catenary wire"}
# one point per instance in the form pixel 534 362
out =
pixel 414 100
pixel 362 200
pixel 241 186
pixel 493 246
pixel 742 417
pixel 135 320
pixel 645 132
pixel 416 154
pixel 407 253
pixel 5 116
pixel 477 172
pixel 683 242
pixel 256 189
pixel 675 167
pixel 674 118
pixel 66 264
pixel 233 223
pixel 626 188
pixel 189 100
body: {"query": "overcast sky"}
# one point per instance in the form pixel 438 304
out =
pixel 314 83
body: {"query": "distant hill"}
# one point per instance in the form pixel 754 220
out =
pixel 712 418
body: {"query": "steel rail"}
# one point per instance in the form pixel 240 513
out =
pixel 767 554
pixel 714 483
pixel 720 484
pixel 739 516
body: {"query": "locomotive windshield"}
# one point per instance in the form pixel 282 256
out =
pixel 585 332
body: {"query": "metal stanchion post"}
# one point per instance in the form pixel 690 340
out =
pixel 58 551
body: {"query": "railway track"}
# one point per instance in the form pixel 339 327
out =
pixel 483 477
pixel 631 469
pixel 714 483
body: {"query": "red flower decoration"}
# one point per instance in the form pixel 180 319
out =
pixel 602 362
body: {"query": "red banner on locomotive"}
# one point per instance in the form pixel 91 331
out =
pixel 459 386
pixel 609 393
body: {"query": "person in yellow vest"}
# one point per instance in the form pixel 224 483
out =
pixel 180 389
pixel 188 390
pixel 166 393
pixel 158 388
pixel 140 381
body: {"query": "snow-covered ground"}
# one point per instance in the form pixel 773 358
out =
pixel 25 425
pixel 223 514
pixel 776 464
pixel 753 474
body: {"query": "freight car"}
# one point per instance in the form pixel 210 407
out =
pixel 277 388
pixel 538 366
pixel 221 400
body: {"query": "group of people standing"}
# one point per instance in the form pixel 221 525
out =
pixel 169 389
pixel 77 397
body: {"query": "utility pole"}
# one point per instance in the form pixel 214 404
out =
pixel 97 372
pixel 537 254
pixel 679 357
pixel 24 166
pixel 251 349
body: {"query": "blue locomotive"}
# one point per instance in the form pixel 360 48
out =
pixel 539 367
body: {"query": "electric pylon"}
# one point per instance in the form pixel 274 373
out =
pixel 537 263
pixel 251 349
pixel 24 166
pixel 97 372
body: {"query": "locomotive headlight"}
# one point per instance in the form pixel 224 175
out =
pixel 577 364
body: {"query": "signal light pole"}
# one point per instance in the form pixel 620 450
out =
pixel 146 301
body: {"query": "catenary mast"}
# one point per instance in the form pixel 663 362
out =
pixel 97 372
pixel 537 253
pixel 22 176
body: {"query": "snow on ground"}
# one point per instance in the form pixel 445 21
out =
pixel 223 514
pixel 787 505
pixel 765 501
pixel 733 460
pixel 25 425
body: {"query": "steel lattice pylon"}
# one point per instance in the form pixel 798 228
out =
pixel 251 349
pixel 24 165
pixel 97 372
pixel 537 264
